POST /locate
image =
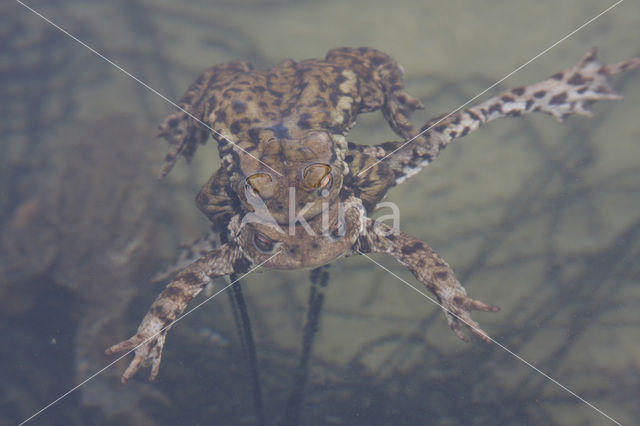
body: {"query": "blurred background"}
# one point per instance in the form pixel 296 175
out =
pixel 537 217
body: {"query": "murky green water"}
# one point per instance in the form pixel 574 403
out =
pixel 539 218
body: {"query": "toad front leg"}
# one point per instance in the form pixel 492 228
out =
pixel 431 271
pixel 150 337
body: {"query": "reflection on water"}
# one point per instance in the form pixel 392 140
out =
pixel 539 218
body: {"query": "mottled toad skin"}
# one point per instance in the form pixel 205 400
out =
pixel 284 130
pixel 293 118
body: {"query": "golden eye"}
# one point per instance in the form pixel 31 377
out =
pixel 257 183
pixel 325 185
pixel 317 175
pixel 263 243
pixel 250 190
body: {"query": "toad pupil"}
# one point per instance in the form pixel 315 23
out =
pixel 263 243
pixel 325 186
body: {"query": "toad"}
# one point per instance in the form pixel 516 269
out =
pixel 292 193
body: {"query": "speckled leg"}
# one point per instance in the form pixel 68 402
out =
pixel 170 304
pixel 381 85
pixel 181 130
pixel 430 270
pixel 189 253
pixel 371 185
pixel 571 91
pixel 218 200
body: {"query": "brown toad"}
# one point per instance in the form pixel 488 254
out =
pixel 285 127
pixel 281 134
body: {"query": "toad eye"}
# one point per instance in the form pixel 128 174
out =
pixel 263 243
pixel 317 176
pixel 257 184
pixel 325 186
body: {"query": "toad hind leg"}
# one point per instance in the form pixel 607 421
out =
pixel 431 271
pixel 185 129
pixel 169 305
pixel 571 91
pixel 381 85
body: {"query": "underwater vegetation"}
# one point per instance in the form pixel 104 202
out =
pixel 554 239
